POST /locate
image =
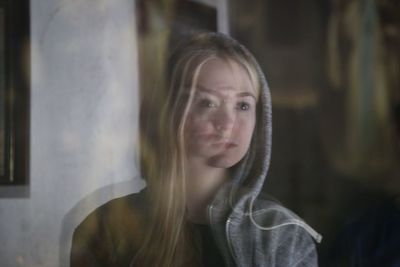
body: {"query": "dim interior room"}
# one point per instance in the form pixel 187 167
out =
pixel 92 62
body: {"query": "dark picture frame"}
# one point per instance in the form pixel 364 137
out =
pixel 14 92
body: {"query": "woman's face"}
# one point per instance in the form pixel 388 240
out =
pixel 222 116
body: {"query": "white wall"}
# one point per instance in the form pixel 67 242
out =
pixel 83 125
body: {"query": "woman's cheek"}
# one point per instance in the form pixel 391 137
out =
pixel 246 128
pixel 197 126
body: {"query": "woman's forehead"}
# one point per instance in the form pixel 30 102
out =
pixel 224 75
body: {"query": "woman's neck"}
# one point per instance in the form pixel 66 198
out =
pixel 202 183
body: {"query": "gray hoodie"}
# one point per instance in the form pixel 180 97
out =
pixel 252 230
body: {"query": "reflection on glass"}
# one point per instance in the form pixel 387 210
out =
pixel 2 95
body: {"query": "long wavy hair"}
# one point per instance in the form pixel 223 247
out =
pixel 168 240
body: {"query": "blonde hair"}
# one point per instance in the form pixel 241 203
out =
pixel 162 153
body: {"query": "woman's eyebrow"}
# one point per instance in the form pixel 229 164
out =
pixel 244 94
pixel 203 89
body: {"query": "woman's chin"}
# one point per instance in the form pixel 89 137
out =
pixel 223 161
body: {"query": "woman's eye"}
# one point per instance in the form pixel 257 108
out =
pixel 243 106
pixel 205 103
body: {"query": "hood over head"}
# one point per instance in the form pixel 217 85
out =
pixel 247 176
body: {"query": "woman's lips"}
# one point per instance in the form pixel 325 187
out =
pixel 218 141
pixel 227 145
pixel 230 145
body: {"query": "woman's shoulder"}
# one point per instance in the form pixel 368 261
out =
pixel 265 204
pixel 117 207
pixel 268 214
pixel 116 216
pixel 135 202
pixel 281 237
pixel 110 233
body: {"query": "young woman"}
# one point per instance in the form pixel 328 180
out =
pixel 205 166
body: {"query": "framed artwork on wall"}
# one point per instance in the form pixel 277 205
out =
pixel 14 92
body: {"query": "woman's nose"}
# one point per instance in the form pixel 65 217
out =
pixel 224 119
